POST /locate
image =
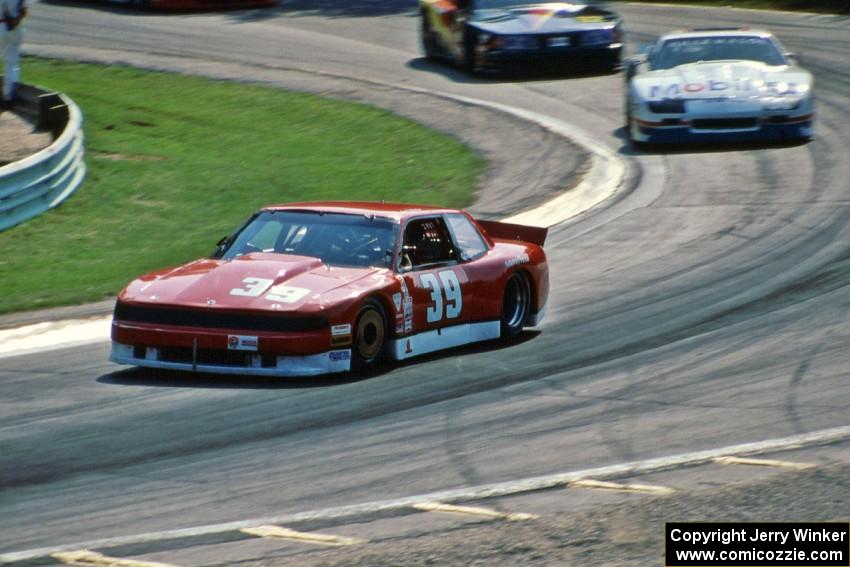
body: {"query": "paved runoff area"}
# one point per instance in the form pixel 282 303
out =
pixel 595 527
pixel 617 522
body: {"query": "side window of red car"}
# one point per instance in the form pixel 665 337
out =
pixel 426 243
pixel 470 243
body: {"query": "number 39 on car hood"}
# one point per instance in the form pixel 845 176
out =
pixel 261 281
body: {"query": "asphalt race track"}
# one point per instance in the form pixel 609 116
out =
pixel 705 305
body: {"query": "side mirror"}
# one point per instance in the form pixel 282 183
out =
pixel 632 65
pixel 793 58
pixel 405 259
pixel 220 246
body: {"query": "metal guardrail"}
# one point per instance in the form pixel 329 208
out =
pixel 43 180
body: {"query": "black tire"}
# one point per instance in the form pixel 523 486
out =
pixel 640 146
pixel 468 56
pixel 429 44
pixel 370 336
pixel 516 305
pixel 635 144
pixel 627 111
pixel 611 64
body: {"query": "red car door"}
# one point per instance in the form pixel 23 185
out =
pixel 437 288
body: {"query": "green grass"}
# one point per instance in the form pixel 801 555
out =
pixel 176 162
pixel 823 6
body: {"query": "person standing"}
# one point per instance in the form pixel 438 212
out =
pixel 12 13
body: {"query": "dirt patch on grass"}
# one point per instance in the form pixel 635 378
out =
pixel 19 138
pixel 117 156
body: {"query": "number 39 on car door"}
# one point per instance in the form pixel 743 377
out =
pixel 446 296
pixel 435 280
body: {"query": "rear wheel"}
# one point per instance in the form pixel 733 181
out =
pixel 370 336
pixel 612 63
pixel 516 305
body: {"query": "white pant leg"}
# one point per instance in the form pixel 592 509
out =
pixel 10 44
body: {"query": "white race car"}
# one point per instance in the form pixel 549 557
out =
pixel 717 85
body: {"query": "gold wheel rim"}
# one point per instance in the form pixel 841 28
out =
pixel 370 335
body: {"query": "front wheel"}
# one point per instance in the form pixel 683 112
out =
pixel 468 55
pixel 429 43
pixel 370 336
pixel 516 305
pixel 631 130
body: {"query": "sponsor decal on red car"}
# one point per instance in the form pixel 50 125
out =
pixel 242 342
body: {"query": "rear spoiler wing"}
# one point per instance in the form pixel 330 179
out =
pixel 509 231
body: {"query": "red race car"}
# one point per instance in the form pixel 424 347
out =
pixel 314 288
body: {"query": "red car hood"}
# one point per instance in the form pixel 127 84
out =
pixel 255 282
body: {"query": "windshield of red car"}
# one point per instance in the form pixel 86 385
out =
pixel 675 52
pixel 337 239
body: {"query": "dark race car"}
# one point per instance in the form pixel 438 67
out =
pixel 195 5
pixel 480 34
pixel 314 288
